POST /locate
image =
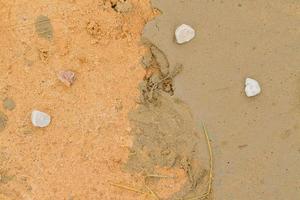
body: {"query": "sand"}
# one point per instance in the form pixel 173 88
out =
pixel 255 140
pixel 82 151
pixel 130 125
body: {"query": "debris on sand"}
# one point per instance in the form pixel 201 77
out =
pixel 147 60
pixel 9 104
pixel 252 87
pixel 44 27
pixel 160 59
pixel 40 119
pixel 3 121
pixel 184 33
pixel 67 77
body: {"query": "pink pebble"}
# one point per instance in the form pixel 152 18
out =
pixel 67 77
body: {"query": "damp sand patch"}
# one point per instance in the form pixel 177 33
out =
pixel 165 136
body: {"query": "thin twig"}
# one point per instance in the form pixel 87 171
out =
pixel 210 160
pixel 209 187
pixel 127 188
pixel 153 193
pixel 159 176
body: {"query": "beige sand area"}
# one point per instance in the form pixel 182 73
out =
pixel 256 140
pixel 105 142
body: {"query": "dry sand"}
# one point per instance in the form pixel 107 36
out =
pixel 93 150
pixel 88 140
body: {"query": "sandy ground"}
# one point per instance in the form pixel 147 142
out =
pixel 84 151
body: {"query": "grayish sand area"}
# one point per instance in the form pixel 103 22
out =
pixel 256 140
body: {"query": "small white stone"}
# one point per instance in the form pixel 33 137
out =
pixel 252 87
pixel 40 119
pixel 184 33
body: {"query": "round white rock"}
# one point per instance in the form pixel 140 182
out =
pixel 252 87
pixel 184 33
pixel 40 119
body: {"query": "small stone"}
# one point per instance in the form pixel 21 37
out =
pixel 9 104
pixel 40 119
pixel 44 27
pixel 67 77
pixel 184 33
pixel 252 87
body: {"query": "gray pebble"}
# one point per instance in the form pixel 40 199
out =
pixel 9 104
pixel 44 27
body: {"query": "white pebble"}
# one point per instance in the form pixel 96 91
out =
pixel 40 119
pixel 252 87
pixel 184 33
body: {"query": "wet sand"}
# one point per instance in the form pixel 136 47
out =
pixel 255 140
